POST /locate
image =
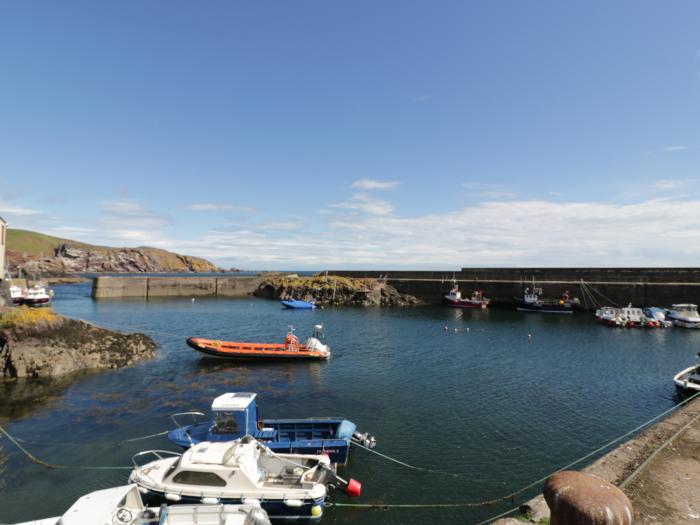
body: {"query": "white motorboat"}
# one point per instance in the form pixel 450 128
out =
pixel 124 506
pixel 684 315
pixel 609 315
pixel 17 294
pixel 688 380
pixel 287 486
pixel 37 295
pixel 658 315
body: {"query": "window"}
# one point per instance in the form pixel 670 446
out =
pixel 225 423
pixel 188 477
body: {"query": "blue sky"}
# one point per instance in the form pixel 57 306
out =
pixel 364 134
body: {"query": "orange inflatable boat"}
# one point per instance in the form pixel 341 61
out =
pixel 290 349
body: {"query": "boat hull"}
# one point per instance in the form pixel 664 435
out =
pixel 251 351
pixel 336 448
pixel 688 380
pixel 546 308
pixel 276 509
pixel 299 305
pixel 466 303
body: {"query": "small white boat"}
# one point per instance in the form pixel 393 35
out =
pixel 17 294
pixel 684 315
pixel 610 316
pixel 124 506
pixel 688 380
pixel 287 486
pixel 657 315
pixel 37 295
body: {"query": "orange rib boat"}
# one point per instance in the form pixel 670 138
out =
pixel 290 349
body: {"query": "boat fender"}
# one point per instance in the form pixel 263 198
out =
pixel 210 501
pixel 293 502
pixel 316 511
pixel 143 490
pixel 354 488
pixel 172 497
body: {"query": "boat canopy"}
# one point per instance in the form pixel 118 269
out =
pixel 235 414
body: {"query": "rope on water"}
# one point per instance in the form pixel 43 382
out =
pixel 51 465
pixel 98 443
pixel 512 495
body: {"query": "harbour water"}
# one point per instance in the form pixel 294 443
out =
pixel 485 402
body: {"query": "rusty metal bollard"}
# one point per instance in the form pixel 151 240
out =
pixel 575 498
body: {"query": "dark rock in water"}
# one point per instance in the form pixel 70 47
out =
pixel 45 344
pixel 334 290
pixel 575 498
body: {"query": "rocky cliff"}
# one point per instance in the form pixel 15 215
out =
pixel 44 255
pixel 40 343
pixel 334 290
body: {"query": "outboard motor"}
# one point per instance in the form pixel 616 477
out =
pixel 366 440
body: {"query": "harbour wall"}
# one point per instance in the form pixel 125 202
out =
pixel 173 286
pixel 639 286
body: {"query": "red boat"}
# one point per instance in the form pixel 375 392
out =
pixel 290 349
pixel 455 299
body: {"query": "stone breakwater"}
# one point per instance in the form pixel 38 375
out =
pixel 333 290
pixel 639 286
pixel 39 343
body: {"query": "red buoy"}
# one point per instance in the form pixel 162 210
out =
pixel 354 488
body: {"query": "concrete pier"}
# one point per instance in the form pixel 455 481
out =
pixel 639 286
pixel 173 286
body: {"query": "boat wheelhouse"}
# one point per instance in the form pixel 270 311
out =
pixel 37 295
pixel 235 415
pixel 610 316
pixel 684 315
pixel 286 486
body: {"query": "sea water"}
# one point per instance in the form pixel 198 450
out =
pixel 491 399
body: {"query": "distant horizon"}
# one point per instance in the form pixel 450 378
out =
pixel 359 135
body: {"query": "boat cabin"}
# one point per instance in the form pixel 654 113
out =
pixel 234 414
pixel 686 308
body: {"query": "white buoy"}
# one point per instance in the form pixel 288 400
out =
pixel 193 299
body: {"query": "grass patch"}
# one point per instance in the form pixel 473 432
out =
pixel 25 317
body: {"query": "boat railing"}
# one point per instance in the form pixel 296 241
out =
pixel 158 454
pixel 194 418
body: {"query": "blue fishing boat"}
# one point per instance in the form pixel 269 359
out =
pixel 235 415
pixel 299 305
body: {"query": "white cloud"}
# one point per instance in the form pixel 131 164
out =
pixel 665 184
pixel 675 147
pixel 17 210
pixel 207 206
pixel 513 233
pixel 366 203
pixel 373 184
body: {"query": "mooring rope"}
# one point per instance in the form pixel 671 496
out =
pixel 96 444
pixel 512 495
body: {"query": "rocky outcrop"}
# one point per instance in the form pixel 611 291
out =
pixel 68 259
pixel 44 344
pixel 334 290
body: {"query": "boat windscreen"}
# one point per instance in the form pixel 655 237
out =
pixel 225 423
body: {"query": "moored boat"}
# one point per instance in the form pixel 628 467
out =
pixel 610 316
pixel 296 304
pixel 532 301
pixel 235 415
pixel 286 486
pixel 688 380
pixel 17 294
pixel 684 315
pixel 455 299
pixel 124 506
pixel 37 295
pixel 313 348
pixel 658 316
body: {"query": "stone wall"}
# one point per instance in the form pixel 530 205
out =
pixel 640 286
pixel 178 286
